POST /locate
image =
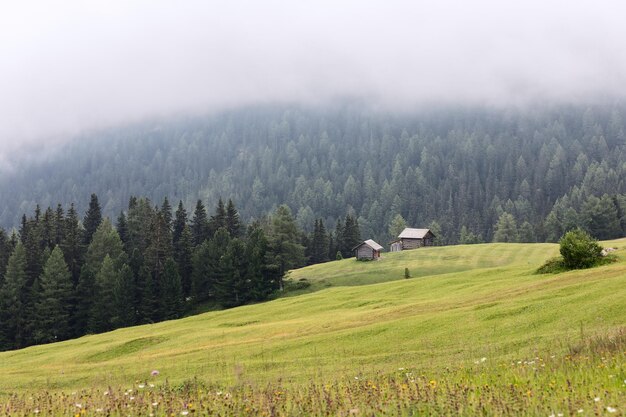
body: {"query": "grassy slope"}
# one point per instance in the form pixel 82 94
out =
pixel 495 307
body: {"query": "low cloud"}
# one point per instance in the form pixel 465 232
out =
pixel 78 65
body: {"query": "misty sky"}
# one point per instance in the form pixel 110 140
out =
pixel 70 65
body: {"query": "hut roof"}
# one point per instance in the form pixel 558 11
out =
pixel 370 243
pixel 409 233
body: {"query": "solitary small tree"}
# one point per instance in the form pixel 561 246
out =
pixel 407 274
pixel 579 249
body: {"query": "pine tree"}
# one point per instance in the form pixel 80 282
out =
pixel 233 223
pixel 160 247
pixel 14 299
pixel 71 245
pixel 200 225
pixel 59 225
pixel 319 243
pixel 92 219
pixel 218 220
pixel 105 243
pixel 101 313
pixel 230 279
pixel 124 290
pixel 171 296
pixel 351 236
pixel 505 229
pixel 166 212
pixel 397 225
pixel 262 277
pixel 122 228
pixel 180 222
pixel 5 252
pixel 54 301
pixel 183 255
pixel 284 241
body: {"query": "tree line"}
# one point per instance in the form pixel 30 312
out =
pixel 63 277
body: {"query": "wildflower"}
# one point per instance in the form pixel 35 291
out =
pixel 141 386
pixel 356 377
pixel 580 411
pixel 36 411
pixel 154 404
pixel 132 398
pixel 433 383
pixel 78 405
pixel 559 414
pixel 184 412
pixel 154 373
pixel 483 359
pixel 151 385
pixel 106 393
pixel 98 410
pixel 596 399
pixel 611 409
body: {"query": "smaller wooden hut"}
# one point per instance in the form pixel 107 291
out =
pixel 367 250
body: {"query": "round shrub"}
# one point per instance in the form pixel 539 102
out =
pixel 579 249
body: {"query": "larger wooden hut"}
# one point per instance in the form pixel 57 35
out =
pixel 413 239
pixel 367 250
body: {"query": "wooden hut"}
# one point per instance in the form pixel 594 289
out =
pixel 413 239
pixel 367 250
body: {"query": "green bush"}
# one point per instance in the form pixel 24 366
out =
pixel 552 266
pixel 579 250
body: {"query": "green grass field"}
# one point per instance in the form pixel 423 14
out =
pixel 363 323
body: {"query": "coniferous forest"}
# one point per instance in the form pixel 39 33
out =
pixel 63 277
pixel 309 184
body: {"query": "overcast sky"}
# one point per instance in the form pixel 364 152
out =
pixel 70 65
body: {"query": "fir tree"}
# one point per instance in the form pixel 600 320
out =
pixel 284 241
pixel 101 313
pixel 183 255
pixel 200 224
pixel 230 279
pixel 505 229
pixel 180 222
pixel 54 301
pixel 124 290
pixel 233 223
pixel 351 236
pixel 122 228
pixel 171 295
pixel 218 220
pixel 92 219
pixel 14 299
pixel 166 212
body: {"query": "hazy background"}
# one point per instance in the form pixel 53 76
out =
pixel 71 65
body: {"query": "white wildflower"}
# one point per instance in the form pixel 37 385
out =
pixel 596 399
pixel 611 409
pixel 184 412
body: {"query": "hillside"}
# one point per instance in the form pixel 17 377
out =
pixel 457 166
pixel 485 302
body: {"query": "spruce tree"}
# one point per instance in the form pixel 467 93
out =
pixel 166 212
pixel 59 225
pixel 351 236
pixel 183 255
pixel 505 229
pixel 124 290
pixel 171 293
pixel 14 299
pixel 284 241
pixel 180 222
pixel 5 252
pixel 92 219
pixel 101 313
pixel 71 245
pixel 230 280
pixel 218 220
pixel 54 301
pixel 200 224
pixel 233 223
pixel 122 228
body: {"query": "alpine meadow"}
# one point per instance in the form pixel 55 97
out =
pixel 283 209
